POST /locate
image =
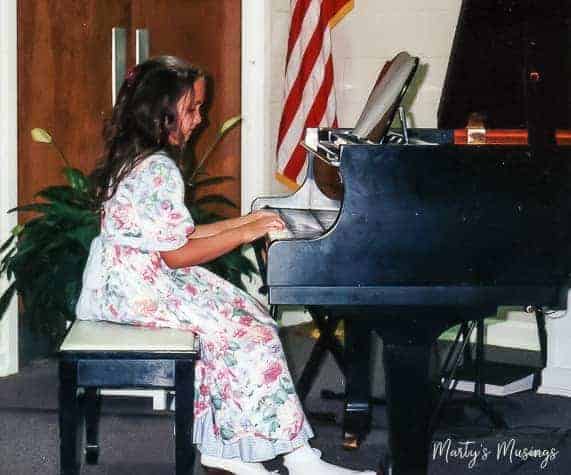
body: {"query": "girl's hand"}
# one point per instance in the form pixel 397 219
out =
pixel 262 225
pixel 258 214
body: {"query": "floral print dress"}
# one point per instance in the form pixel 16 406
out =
pixel 245 402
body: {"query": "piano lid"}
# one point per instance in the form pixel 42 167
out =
pixel 385 97
pixel 511 63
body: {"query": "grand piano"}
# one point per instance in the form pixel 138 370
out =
pixel 430 230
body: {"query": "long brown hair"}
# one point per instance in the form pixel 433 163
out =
pixel 144 116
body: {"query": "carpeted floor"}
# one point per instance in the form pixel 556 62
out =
pixel 137 440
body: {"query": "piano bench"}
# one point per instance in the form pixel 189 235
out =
pixel 97 355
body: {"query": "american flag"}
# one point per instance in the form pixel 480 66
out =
pixel 309 85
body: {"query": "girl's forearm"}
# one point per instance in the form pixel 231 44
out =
pixel 207 230
pixel 204 249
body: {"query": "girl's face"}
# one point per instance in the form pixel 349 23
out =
pixel 189 112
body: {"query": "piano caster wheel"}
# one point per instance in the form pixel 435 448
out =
pixel 351 441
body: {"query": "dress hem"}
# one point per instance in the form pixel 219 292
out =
pixel 249 448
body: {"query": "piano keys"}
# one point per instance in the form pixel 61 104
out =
pixel 303 223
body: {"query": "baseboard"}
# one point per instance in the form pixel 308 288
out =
pixel 556 381
pixel 513 329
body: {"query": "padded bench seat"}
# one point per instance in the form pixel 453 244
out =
pixel 96 355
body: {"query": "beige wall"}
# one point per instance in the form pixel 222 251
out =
pixel 367 37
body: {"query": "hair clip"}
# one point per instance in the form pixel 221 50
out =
pixel 132 75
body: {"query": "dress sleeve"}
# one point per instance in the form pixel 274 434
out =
pixel 158 195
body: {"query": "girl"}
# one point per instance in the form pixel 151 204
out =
pixel 142 269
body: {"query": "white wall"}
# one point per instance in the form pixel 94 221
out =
pixel 372 33
pixel 8 169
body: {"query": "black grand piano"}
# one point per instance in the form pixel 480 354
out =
pixel 428 232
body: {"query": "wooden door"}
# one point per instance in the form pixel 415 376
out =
pixel 64 66
pixel 64 70
pixel 206 33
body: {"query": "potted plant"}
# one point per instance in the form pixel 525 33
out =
pixel 45 257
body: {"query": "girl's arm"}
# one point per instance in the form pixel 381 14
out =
pixel 204 249
pixel 208 230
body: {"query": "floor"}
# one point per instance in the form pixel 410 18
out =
pixel 138 440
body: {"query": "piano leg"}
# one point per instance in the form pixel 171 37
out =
pixel 408 405
pixel 357 414
pixel 410 393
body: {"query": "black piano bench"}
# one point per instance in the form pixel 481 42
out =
pixel 97 355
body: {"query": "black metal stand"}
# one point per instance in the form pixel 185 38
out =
pixel 357 397
pixel 327 342
pixel 461 347
pixel 478 399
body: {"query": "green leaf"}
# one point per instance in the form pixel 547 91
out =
pixel 280 396
pixel 37 207
pixel 71 214
pixel 7 243
pixel 6 299
pixel 226 432
pixel 6 262
pixel 230 359
pixel 212 181
pixel 83 234
pixel 216 402
pixel 76 179
pixel 286 385
pixel 72 290
pixel 269 413
pixel 65 194
pixel 16 230
pixel 215 199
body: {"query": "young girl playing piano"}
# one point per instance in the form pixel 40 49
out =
pixel 143 270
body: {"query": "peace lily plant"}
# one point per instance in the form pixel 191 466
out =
pixel 44 257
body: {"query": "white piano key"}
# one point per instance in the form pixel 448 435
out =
pixel 280 234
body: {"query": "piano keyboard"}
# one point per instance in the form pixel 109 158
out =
pixel 303 223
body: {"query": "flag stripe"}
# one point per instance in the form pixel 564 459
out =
pixel 309 80
pixel 295 95
pixel 296 23
pixel 297 123
pixel 309 23
pixel 315 116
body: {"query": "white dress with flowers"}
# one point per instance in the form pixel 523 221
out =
pixel 245 402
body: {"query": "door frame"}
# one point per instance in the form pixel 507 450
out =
pixel 8 168
pixel 257 158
